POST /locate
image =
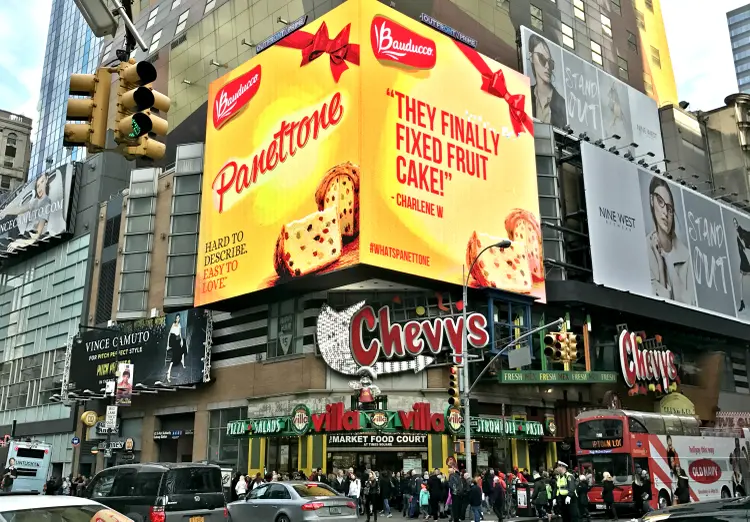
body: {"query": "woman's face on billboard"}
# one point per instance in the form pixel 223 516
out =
pixel 542 63
pixel 663 207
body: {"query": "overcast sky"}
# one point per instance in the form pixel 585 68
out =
pixel 697 32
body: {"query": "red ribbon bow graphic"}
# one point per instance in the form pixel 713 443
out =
pixel 313 46
pixel 494 84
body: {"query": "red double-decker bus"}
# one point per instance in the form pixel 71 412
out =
pixel 618 441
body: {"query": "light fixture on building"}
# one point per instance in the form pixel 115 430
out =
pixel 282 21
pixel 245 42
pixel 568 129
pixel 684 104
pixel 600 142
pixel 616 151
pixel 584 137
pixel 217 64
pixel 187 82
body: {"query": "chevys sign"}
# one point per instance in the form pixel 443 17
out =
pixel 395 43
pixel 646 362
pixel 704 471
pixel 394 347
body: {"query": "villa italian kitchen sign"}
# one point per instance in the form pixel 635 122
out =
pixel 360 340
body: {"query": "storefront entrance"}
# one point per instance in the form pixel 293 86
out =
pixel 377 461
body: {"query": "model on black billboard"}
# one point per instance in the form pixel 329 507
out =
pixel 177 345
pixel 548 104
pixel 743 242
pixel 669 258
pixel 38 217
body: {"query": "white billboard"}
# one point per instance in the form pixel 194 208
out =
pixel 653 237
pixel 566 90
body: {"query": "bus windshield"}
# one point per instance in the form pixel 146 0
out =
pixel 617 464
pixel 600 429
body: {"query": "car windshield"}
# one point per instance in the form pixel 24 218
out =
pixel 57 514
pixel 618 465
pixel 313 490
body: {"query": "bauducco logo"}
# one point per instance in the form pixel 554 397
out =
pixel 395 43
pixel 235 95
pixel 617 219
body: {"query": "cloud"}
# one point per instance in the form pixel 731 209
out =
pixel 703 64
pixel 23 39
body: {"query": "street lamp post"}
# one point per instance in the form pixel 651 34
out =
pixel 505 243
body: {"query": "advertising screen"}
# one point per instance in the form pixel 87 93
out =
pixel 566 90
pixel 169 350
pixel 39 211
pixel 653 237
pixel 368 138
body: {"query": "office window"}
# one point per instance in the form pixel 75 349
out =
pixel 650 5
pixel 176 3
pixel 154 42
pixel 536 18
pixel 655 57
pixel 616 6
pixel 579 10
pixel 7 164
pixel 632 42
pixel 606 26
pixel 10 145
pixel 622 68
pixel 182 22
pixel 648 85
pixel 210 4
pixel 639 19
pixel 596 53
pixel 568 40
pixel 224 449
pixel 152 17
pixel 107 50
pixel 5 180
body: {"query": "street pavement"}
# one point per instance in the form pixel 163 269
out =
pixel 488 518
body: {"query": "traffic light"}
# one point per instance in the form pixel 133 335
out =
pixel 92 109
pixel 572 347
pixel 549 344
pixel 560 342
pixel 453 393
pixel 136 104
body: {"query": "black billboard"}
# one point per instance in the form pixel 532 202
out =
pixel 40 210
pixel 168 350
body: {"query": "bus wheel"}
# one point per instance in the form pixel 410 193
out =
pixel 664 499
pixel 725 493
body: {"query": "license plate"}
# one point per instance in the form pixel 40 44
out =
pixel 196 519
pixel 598 506
pixel 335 510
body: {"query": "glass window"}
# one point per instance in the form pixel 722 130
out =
pixel 181 265
pixel 640 20
pixel 210 4
pixel 193 480
pixel 140 206
pixel 152 17
pixel 279 492
pixel 147 482
pixel 579 10
pixel 139 224
pixel 186 204
pixel 636 426
pixel 102 484
pixel 66 514
pixel 182 22
pixel 182 286
pixel 632 42
pixel 223 449
pixel 606 25
pixel 10 145
pixel 600 429
pixel 107 50
pixel 655 57
pixel 138 243
pixel 616 6
pixel 183 244
pixel 135 262
pixel 134 281
pixel 622 68
pixel 154 42
pixel 650 5
pixel 314 490
pixel 11 140
pixel 184 224
pixel 259 492
pixel 596 53
pixel 187 184
pixel 567 30
pixel 176 3
pixel 132 301
pixel 124 482
pixel 618 465
pixel 536 18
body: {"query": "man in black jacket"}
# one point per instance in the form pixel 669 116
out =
pixel 385 492
pixel 487 483
pixel 435 488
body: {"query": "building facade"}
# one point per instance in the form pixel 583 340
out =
pixel 739 35
pixel 76 51
pixel 15 143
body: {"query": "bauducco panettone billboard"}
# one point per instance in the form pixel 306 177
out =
pixel 368 138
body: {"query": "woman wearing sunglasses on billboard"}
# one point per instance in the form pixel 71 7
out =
pixel 669 258
pixel 547 103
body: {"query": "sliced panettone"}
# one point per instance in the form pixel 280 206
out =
pixel 503 268
pixel 523 226
pixel 340 188
pixel 308 245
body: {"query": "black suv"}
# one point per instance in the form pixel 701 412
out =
pixel 727 510
pixel 162 492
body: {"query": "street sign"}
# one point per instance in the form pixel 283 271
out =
pixel 110 420
pixel 107 453
pixel 75 441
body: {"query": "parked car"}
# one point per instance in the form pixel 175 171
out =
pixel 726 510
pixel 162 492
pixel 293 501
pixel 33 507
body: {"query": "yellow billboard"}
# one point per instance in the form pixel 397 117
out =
pixel 368 138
